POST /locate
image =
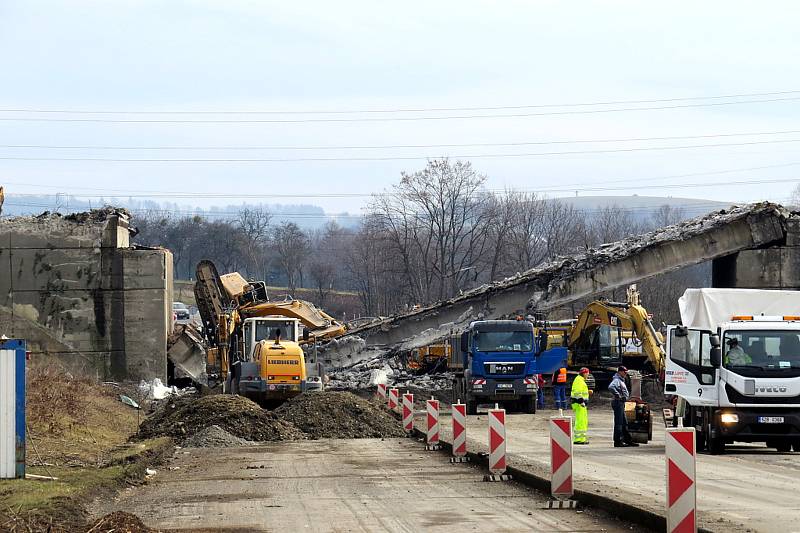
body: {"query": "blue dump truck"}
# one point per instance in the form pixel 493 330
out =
pixel 496 361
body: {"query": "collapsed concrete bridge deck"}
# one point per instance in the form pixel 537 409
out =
pixel 753 245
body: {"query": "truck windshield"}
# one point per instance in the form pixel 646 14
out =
pixel 755 353
pixel 265 330
pixel 503 341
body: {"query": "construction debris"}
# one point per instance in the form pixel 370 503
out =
pixel 215 437
pixel 567 279
pixel 338 415
pixel 368 374
pixel 185 416
pixel 119 522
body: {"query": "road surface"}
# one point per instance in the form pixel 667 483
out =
pixel 338 485
pixel 751 487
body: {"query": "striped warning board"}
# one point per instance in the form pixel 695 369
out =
pixel 394 397
pixel 433 424
pixel 408 412
pixel 561 457
pixel 380 392
pixel 459 415
pixel 681 453
pixel 497 445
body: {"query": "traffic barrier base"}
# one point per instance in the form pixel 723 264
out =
pixel 560 504
pixel 463 459
pixel 497 477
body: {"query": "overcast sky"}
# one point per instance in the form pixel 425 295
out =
pixel 344 56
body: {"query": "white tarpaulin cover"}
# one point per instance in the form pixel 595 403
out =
pixel 707 308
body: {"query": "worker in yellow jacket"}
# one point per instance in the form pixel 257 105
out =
pixel 579 396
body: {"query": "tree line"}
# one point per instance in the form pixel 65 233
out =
pixel 435 233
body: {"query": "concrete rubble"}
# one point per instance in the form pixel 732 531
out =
pixel 570 278
pixel 366 375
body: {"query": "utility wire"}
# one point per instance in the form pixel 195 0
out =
pixel 571 187
pixel 392 110
pixel 391 119
pixel 396 146
pixel 394 158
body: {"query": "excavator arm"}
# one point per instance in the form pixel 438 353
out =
pixel 319 324
pixel 628 315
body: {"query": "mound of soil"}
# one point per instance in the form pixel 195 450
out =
pixel 187 416
pixel 338 415
pixel 215 437
pixel 119 522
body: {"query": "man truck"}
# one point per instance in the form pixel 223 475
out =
pixel 496 361
pixel 734 365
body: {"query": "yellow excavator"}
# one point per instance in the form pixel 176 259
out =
pixel 606 335
pixel 255 345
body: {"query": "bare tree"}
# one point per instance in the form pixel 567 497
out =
pixel 292 247
pixel 666 215
pixel 254 225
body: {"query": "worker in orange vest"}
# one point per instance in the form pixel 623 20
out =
pixel 560 388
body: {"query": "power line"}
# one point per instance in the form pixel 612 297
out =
pixel 397 146
pixel 390 119
pixel 392 110
pixel 568 187
pixel 392 158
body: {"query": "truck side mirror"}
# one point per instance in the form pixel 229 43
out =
pixel 465 341
pixel 305 334
pixel 716 356
pixel 714 340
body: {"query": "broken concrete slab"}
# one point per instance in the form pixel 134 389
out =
pixel 567 279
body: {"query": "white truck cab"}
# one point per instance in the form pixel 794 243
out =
pixel 735 368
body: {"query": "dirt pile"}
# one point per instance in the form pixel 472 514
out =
pixel 338 415
pixel 187 416
pixel 215 437
pixel 119 522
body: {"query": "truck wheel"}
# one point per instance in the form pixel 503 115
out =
pixel 716 446
pixel 527 404
pixel 783 446
pixel 472 407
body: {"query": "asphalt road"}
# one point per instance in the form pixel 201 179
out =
pixel 338 485
pixel 751 487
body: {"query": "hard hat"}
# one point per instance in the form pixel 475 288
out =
pixel 583 370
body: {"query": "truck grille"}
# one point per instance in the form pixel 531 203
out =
pixel 503 368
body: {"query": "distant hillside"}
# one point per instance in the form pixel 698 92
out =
pixel 304 215
pixel 645 206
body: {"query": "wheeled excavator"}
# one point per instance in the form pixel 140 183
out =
pixel 261 348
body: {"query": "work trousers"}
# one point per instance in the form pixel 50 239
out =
pixel 621 433
pixel 540 398
pixel 560 395
pixel 580 425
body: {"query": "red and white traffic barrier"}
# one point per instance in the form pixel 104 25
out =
pixel 681 455
pixel 394 399
pixel 380 392
pixel 561 488
pixel 459 415
pixel 408 412
pixel 497 446
pixel 432 437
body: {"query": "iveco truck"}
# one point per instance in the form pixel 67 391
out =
pixel 734 365
pixel 496 361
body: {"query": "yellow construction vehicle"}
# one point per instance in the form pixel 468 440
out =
pixel 606 335
pixel 238 315
pixel 429 359
pixel 609 334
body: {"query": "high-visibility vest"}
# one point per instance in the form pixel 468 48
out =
pixel 562 375
pixel 579 388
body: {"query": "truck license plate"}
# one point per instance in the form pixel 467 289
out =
pixel 505 385
pixel 770 420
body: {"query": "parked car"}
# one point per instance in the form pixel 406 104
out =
pixel 181 312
